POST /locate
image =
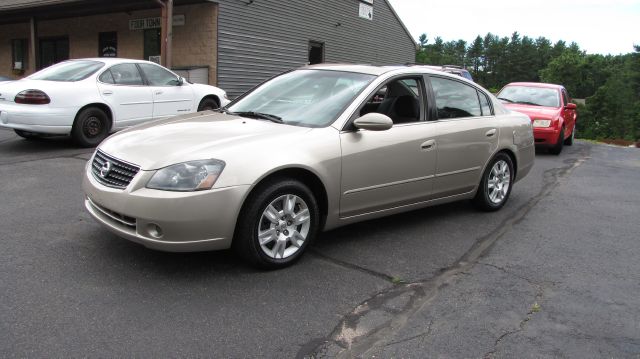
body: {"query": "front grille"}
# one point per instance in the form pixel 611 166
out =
pixel 111 171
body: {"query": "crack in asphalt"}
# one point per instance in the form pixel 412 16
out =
pixel 359 268
pixel 540 291
pixel 368 326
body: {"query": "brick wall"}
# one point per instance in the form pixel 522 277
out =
pixel 194 44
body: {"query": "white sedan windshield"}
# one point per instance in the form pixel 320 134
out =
pixel 311 98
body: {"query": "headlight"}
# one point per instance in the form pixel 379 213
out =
pixel 187 176
pixel 541 123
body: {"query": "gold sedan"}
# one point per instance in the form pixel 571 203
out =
pixel 311 149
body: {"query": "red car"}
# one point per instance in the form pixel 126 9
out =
pixel 553 116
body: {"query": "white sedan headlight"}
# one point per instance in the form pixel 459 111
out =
pixel 187 176
pixel 541 123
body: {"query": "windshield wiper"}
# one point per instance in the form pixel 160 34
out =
pixel 260 115
pixel 506 99
pixel 528 103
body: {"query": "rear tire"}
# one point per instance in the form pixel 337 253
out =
pixel 207 104
pixel 276 224
pixel 90 127
pixel 496 183
pixel 557 148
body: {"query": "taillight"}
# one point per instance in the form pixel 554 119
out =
pixel 32 97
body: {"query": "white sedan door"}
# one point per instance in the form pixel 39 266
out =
pixel 122 88
pixel 170 96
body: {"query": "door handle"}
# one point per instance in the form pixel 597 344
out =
pixel 158 92
pixel 107 92
pixel 491 132
pixel 428 145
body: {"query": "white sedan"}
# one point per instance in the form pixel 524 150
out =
pixel 89 98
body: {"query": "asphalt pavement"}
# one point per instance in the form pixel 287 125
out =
pixel 553 274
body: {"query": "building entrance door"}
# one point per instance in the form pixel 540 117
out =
pixel 52 51
pixel 151 43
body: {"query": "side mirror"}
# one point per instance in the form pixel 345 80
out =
pixel 373 122
pixel 571 106
pixel 180 81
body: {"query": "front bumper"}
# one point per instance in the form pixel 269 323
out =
pixel 545 136
pixel 164 220
pixel 37 118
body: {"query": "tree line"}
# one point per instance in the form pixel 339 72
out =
pixel 610 84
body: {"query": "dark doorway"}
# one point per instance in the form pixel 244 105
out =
pixel 151 43
pixel 53 50
pixel 316 52
pixel 108 44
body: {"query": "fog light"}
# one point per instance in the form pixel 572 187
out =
pixel 154 230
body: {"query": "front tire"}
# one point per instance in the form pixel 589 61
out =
pixel 207 104
pixel 90 127
pixel 277 224
pixel 495 185
pixel 557 148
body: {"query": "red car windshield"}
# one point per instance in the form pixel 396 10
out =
pixel 535 96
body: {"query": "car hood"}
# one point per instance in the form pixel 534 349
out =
pixel 197 136
pixel 534 111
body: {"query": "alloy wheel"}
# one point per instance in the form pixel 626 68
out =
pixel 499 182
pixel 284 226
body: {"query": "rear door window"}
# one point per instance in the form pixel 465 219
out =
pixel 455 99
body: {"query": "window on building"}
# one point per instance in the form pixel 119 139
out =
pixel 19 53
pixel 455 99
pixel 108 44
pixel 53 50
pixel 151 43
pixel 316 52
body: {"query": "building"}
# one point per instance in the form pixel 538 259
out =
pixel 233 44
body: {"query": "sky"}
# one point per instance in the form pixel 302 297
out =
pixel 597 26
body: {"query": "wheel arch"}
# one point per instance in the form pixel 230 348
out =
pixel 306 176
pixel 209 96
pixel 104 107
pixel 514 160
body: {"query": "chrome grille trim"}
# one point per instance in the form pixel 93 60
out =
pixel 120 174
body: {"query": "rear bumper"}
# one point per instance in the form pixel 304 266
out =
pixel 37 118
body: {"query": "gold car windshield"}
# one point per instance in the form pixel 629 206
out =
pixel 309 98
